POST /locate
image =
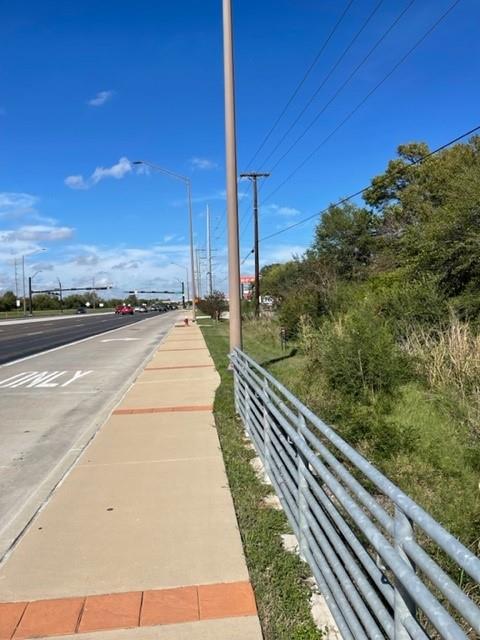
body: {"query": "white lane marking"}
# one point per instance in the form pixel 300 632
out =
pixel 71 344
pixel 120 339
pixel 41 379
pixel 34 333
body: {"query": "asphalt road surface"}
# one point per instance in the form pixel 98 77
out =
pixel 53 403
pixel 23 339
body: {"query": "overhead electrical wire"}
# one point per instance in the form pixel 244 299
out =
pixel 365 98
pixel 338 91
pixel 338 203
pixel 327 77
pixel 302 81
pixel 292 98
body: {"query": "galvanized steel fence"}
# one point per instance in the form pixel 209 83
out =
pixel 370 547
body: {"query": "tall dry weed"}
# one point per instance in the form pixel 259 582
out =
pixel 450 360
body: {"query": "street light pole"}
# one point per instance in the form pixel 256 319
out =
pixel 23 282
pixel 188 185
pixel 232 195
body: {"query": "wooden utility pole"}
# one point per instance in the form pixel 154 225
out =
pixel 253 176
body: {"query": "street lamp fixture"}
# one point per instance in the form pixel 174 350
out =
pixel 187 182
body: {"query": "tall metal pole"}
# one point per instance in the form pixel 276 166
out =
pixel 199 273
pixel 253 176
pixel 30 307
pixel 16 278
pixel 232 195
pixel 192 261
pixel 209 254
pixel 183 295
pixel 23 280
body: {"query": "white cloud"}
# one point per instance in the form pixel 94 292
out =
pixel 117 171
pixel 288 212
pixel 16 204
pixel 37 233
pixel 76 182
pixel 100 99
pixel 168 238
pixel 202 163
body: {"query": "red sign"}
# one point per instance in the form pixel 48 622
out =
pixel 247 279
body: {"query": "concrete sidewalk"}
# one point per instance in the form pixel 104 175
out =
pixel 140 541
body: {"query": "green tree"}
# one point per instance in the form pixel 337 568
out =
pixel 345 240
pixel 8 301
pixel 214 304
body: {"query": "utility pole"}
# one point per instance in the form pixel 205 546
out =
pixel 232 194
pixel 183 295
pixel 209 253
pixel 23 281
pixel 199 272
pixel 253 176
pixel 16 278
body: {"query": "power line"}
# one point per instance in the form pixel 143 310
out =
pixel 361 191
pixel 326 78
pixel 302 81
pixel 364 100
pixel 337 92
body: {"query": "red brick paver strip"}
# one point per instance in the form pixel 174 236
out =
pixel 10 615
pixel 50 618
pixel 114 611
pixel 168 606
pixel 68 616
pixel 184 349
pixel 188 407
pixel 182 366
pixel 227 600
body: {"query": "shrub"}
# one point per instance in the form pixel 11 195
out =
pixel 214 304
pixel 358 355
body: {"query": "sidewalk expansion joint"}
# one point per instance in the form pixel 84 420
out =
pixel 188 407
pixel 77 615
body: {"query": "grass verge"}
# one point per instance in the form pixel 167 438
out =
pixel 278 577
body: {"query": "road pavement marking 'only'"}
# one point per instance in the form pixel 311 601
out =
pixel 42 379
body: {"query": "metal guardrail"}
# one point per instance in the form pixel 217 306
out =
pixel 367 543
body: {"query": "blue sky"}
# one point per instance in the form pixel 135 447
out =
pixel 88 87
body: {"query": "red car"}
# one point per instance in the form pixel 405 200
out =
pixel 124 309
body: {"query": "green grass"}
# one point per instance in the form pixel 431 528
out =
pixel 278 577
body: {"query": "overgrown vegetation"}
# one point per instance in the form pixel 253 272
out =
pixel 278 577
pixel 384 308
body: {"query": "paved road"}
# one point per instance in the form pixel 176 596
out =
pixel 23 339
pixel 53 403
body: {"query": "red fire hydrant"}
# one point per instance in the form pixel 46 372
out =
pixel 186 322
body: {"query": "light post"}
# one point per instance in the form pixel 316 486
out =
pixel 23 279
pixel 186 277
pixel 61 296
pixel 188 184
pixel 30 279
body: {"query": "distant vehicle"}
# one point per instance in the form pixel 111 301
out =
pixel 124 309
pixel 141 309
pixel 81 310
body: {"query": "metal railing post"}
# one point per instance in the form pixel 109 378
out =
pixel 403 604
pixel 266 429
pixel 302 487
